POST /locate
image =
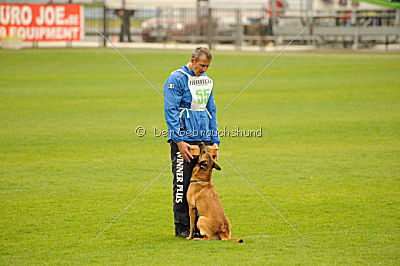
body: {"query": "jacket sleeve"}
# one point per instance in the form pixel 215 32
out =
pixel 173 92
pixel 212 108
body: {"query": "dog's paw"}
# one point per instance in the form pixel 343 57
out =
pixel 189 237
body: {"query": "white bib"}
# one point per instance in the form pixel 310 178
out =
pixel 200 88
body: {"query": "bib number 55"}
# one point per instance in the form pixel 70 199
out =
pixel 202 96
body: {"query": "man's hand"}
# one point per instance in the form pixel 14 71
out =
pixel 215 145
pixel 184 150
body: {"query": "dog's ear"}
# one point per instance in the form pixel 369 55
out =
pixel 202 146
pixel 216 165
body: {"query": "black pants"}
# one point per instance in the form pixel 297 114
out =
pixel 125 29
pixel 182 172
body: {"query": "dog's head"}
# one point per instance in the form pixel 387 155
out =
pixel 206 161
pixel 205 164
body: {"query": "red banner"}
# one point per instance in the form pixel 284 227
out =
pixel 42 22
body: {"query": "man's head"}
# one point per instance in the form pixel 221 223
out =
pixel 201 60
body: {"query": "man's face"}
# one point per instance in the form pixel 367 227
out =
pixel 200 66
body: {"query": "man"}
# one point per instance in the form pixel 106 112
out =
pixel 125 16
pixel 190 113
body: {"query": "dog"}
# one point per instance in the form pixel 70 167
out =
pixel 203 200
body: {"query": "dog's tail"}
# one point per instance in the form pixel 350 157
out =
pixel 238 240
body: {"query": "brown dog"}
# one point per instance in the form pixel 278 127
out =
pixel 203 201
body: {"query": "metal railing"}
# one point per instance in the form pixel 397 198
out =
pixel 238 27
pixel 247 27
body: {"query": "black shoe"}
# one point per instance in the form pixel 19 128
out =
pixel 182 234
pixel 197 235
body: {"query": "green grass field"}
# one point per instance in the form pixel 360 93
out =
pixel 328 158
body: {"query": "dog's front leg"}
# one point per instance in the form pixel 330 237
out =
pixel 192 215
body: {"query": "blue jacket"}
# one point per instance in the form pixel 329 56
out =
pixel 188 125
